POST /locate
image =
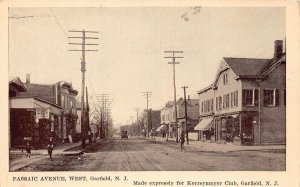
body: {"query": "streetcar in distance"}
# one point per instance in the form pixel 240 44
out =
pixel 124 134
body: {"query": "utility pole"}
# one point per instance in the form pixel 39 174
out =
pixel 173 62
pixel 137 120
pixel 131 117
pixel 185 115
pixel 83 69
pixel 102 99
pixel 147 95
pixel 87 110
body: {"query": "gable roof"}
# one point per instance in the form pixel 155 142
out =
pixel 42 91
pixel 16 81
pixel 271 65
pixel 245 66
pixel 190 102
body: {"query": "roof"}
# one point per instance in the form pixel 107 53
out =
pixel 68 85
pixel 205 89
pixel 37 98
pixel 190 101
pixel 42 91
pixel 245 66
pixel 268 67
pixel 16 81
pixel 169 103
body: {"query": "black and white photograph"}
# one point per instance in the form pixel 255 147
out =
pixel 189 88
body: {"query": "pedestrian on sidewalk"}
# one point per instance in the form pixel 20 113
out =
pixel 28 149
pixel 50 147
pixel 181 141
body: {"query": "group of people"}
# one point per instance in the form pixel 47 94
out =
pixel 50 148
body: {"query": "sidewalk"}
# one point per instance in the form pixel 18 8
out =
pixel 216 147
pixel 21 160
pixel 57 150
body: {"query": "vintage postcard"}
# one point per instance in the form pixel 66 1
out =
pixel 149 94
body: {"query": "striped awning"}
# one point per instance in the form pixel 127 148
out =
pixel 204 124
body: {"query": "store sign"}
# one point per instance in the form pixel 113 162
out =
pixel 42 113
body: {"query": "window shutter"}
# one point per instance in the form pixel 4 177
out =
pixel 265 98
pixel 256 97
pixel 237 98
pixel 276 97
pixel 231 99
pixel 243 98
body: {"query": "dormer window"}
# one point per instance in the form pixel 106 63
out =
pixel 225 78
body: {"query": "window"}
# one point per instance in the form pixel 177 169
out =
pixel 271 97
pixel 211 105
pixel 225 79
pixel 207 106
pixel 234 99
pixel 226 101
pixel 219 103
pixel 66 102
pixel 63 100
pixel 71 104
pixel 250 97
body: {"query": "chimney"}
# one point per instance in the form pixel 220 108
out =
pixel 278 49
pixel 27 78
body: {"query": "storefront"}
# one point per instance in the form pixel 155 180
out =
pixel 204 128
pixel 235 128
pixel 33 119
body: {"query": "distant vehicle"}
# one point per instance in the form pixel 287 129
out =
pixel 124 134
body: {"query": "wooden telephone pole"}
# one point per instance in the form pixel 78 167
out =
pixel 147 95
pixel 137 120
pixel 173 62
pixel 83 69
pixel 185 115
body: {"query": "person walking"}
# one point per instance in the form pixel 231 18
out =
pixel 50 147
pixel 181 141
pixel 28 149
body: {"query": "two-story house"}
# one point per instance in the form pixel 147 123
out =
pixel 246 102
pixel 61 121
pixel 154 120
pixel 192 107
pixel 166 117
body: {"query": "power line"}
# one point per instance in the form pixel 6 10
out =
pixel 137 119
pixel 83 69
pixel 185 115
pixel 147 94
pixel 173 62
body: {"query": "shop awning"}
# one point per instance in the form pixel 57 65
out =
pixel 235 115
pixel 204 124
pixel 160 128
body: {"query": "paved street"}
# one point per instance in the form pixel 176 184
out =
pixel 139 154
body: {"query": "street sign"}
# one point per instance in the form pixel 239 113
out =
pixel 42 113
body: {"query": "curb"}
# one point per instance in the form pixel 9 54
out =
pixel 172 141
pixel 80 152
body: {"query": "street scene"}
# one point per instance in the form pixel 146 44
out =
pixel 147 89
pixel 138 154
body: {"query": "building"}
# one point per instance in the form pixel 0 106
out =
pixel 48 108
pixel 246 102
pixel 153 121
pixel 168 116
pixel 165 116
pixel 192 106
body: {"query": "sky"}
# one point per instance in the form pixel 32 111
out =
pixel 132 41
